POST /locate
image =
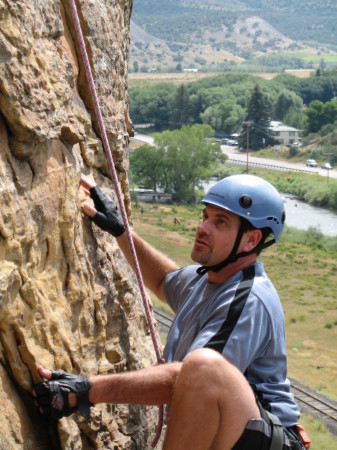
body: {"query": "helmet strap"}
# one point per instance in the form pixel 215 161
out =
pixel 233 257
pixel 230 259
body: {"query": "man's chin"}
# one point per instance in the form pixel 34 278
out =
pixel 199 257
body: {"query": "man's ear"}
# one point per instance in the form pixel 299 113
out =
pixel 252 239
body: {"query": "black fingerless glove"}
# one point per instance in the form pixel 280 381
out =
pixel 107 216
pixel 52 396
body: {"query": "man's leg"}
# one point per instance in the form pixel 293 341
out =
pixel 212 404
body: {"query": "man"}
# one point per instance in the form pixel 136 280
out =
pixel 225 355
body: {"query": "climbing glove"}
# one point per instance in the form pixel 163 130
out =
pixel 107 216
pixel 52 395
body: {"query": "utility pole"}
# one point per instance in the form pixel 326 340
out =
pixel 248 123
pixel 327 169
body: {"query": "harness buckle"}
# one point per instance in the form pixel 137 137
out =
pixel 304 436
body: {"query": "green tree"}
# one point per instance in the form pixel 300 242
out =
pixel 330 112
pixel 257 121
pixel 152 104
pixel 314 117
pixel 294 119
pixel 224 116
pixel 189 158
pixel 145 166
pixel 285 102
pixel 319 114
pixel 181 108
pixel 321 86
pixel 178 162
pixel 196 104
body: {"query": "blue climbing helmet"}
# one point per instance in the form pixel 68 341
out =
pixel 253 199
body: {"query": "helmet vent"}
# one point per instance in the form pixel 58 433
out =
pixel 274 219
pixel 245 201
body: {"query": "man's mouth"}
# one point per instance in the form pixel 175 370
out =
pixel 200 242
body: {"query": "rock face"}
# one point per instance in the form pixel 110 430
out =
pixel 67 297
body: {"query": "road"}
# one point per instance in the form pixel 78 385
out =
pixel 235 156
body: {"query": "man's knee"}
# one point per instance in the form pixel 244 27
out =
pixel 206 369
pixel 206 359
pixel 203 369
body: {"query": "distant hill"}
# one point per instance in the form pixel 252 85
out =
pixel 223 32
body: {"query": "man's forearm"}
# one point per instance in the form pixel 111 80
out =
pixel 152 386
pixel 153 264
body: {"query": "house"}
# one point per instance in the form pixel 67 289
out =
pixel 151 196
pixel 284 134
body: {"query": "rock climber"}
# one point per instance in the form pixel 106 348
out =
pixel 225 374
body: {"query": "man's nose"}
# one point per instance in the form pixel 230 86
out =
pixel 203 227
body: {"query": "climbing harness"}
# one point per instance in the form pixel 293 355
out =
pixel 302 438
pixel 108 153
pixel 277 432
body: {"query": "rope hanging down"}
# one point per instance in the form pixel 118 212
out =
pixel 108 154
pixel 115 178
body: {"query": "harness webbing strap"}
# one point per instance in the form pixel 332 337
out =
pixel 219 339
pixel 108 153
pixel 277 432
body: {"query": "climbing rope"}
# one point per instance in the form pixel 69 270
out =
pixel 108 154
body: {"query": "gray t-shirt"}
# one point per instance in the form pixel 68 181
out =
pixel 241 318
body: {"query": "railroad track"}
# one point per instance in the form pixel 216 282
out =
pixel 163 319
pixel 309 401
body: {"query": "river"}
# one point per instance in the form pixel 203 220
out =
pixel 302 215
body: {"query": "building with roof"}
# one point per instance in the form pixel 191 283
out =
pixel 284 134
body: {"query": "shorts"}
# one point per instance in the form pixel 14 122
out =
pixel 258 433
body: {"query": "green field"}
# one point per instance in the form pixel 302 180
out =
pixel 305 278
pixel 329 58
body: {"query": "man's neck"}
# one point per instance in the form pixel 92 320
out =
pixel 230 270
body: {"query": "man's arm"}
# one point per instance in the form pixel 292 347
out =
pixel 153 264
pixel 151 386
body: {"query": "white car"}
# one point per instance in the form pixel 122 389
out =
pixel 232 142
pixel 311 163
pixel 327 166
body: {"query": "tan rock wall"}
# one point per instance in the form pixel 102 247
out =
pixel 67 299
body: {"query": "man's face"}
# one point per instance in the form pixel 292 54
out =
pixel 215 236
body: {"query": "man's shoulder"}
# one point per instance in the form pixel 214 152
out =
pixel 265 291
pixel 186 272
pixel 184 278
pixel 180 283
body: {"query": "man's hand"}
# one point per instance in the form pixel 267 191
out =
pixel 62 394
pixel 105 214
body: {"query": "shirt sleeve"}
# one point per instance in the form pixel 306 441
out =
pixel 178 284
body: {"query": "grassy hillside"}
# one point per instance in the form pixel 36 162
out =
pixel 302 20
pixel 221 33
